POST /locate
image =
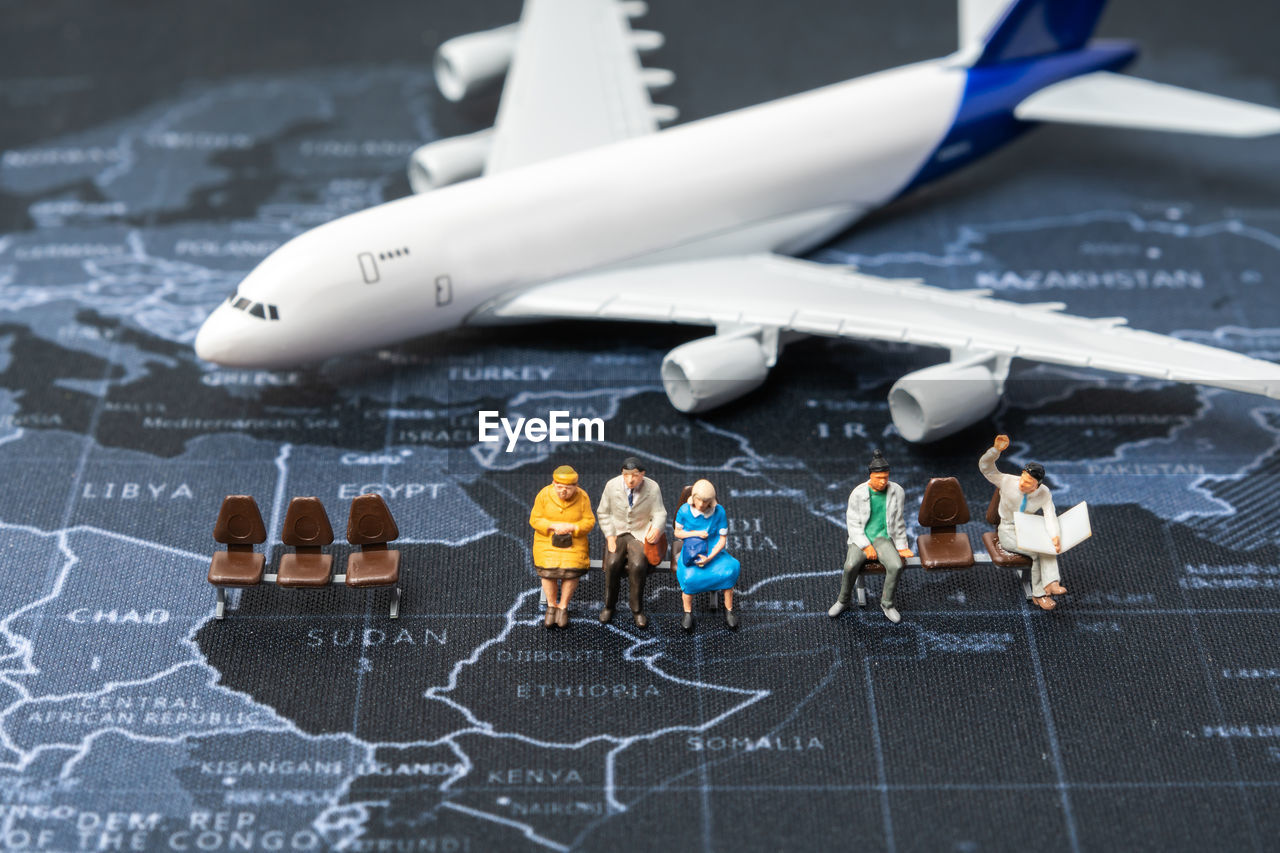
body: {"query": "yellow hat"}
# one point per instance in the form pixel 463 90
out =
pixel 565 475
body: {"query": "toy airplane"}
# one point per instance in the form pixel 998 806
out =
pixel 580 208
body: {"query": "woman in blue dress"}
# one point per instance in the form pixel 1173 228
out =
pixel 701 563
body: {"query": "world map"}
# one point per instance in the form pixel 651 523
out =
pixel 1144 712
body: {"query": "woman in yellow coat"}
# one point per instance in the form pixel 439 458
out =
pixel 561 519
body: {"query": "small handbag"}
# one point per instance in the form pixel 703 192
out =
pixel 694 548
pixel 562 540
pixel 656 552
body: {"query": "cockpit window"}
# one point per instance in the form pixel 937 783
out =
pixel 261 310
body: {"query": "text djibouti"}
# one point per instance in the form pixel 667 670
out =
pixel 557 427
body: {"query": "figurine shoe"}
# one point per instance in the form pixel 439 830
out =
pixel 1045 602
pixel 891 613
pixel 550 620
pixel 641 620
pixel 836 609
pixel 731 619
pixel 562 617
pixel 606 615
pixel 1055 588
pixel 687 622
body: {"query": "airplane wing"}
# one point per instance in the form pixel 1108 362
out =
pixel 771 291
pixel 575 82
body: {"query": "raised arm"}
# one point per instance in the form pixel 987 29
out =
pixel 987 464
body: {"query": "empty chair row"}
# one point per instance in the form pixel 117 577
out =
pixel 307 531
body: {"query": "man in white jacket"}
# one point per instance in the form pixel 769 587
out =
pixel 630 513
pixel 1026 493
pixel 877 531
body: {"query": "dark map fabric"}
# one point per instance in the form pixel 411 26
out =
pixel 155 152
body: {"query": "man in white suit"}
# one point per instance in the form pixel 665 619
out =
pixel 630 513
pixel 877 531
pixel 1026 493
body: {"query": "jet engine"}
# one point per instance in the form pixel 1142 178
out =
pixel 448 161
pixel 466 64
pixel 710 372
pixel 937 401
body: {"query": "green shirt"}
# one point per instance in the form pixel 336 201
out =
pixel 876 527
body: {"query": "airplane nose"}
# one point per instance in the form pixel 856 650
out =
pixel 223 337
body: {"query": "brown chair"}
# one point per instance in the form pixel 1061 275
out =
pixel 307 531
pixel 371 526
pixel 1019 563
pixel 942 509
pixel 239 527
pixel 678 544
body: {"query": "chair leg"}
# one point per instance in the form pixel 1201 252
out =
pixel 220 612
pixel 860 587
pixel 395 603
pixel 1024 576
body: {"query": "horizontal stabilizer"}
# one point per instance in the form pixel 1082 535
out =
pixel 1116 100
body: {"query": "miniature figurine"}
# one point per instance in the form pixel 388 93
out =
pixel 548 219
pixel 877 531
pixel 631 514
pixel 561 519
pixel 1026 493
pixel 702 566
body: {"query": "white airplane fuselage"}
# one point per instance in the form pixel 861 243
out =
pixel 683 219
pixel 777 177
pixel 782 176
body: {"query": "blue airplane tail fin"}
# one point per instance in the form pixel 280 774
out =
pixel 1030 28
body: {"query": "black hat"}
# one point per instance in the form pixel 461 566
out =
pixel 1035 469
pixel 632 464
pixel 878 463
